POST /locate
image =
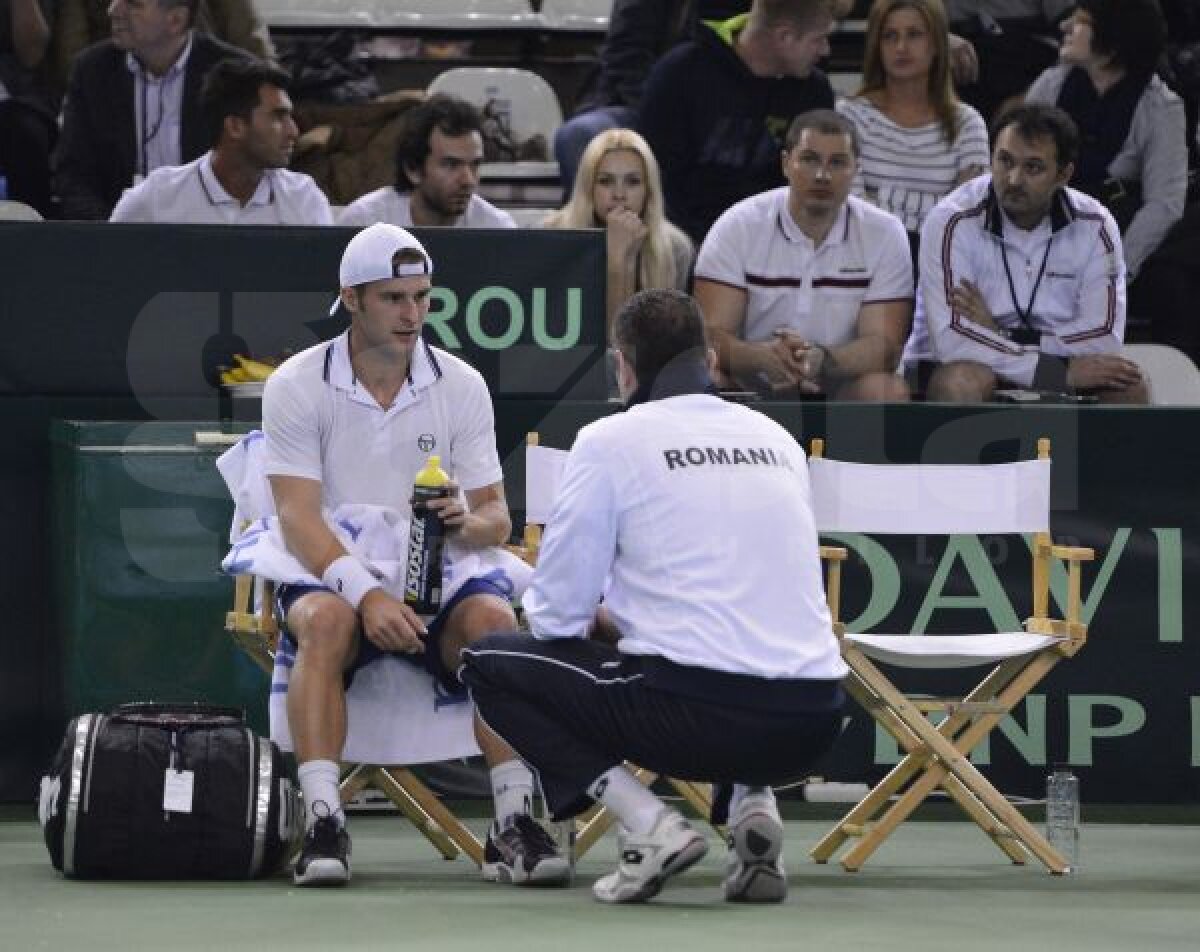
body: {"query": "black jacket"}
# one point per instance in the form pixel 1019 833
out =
pixel 97 149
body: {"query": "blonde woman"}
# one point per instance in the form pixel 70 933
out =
pixel 917 141
pixel 618 188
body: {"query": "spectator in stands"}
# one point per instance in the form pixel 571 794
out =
pixel 133 104
pixel 243 179
pixel 807 289
pixel 639 33
pixel 439 151
pixel 916 140
pixel 715 109
pixel 80 23
pixel 619 189
pixel 1022 278
pixel 1133 153
pixel 1007 43
pixel 27 126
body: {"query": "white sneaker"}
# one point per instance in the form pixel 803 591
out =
pixel 647 861
pixel 754 867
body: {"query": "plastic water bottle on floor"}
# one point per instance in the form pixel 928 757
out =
pixel 1062 815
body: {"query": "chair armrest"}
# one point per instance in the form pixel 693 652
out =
pixel 1073 553
pixel 832 553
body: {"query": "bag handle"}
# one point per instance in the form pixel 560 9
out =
pixel 178 715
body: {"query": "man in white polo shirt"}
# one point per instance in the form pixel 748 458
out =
pixel 439 151
pixel 712 657
pixel 243 179
pixel 1022 278
pixel 807 289
pixel 352 421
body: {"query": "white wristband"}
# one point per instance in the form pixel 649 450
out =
pixel 350 579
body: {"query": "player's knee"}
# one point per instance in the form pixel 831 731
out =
pixel 961 382
pixel 483 615
pixel 325 629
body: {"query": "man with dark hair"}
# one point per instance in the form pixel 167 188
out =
pixel 438 154
pixel 243 179
pixel 808 289
pixel 712 656
pixel 1022 278
pixel 133 104
pixel 715 110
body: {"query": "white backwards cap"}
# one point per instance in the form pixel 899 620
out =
pixel 370 256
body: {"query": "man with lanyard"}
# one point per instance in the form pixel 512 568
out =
pixel 243 179
pixel 352 421
pixel 712 657
pixel 133 104
pixel 1022 278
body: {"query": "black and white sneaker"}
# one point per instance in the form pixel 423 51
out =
pixel 648 860
pixel 524 854
pixel 754 867
pixel 325 858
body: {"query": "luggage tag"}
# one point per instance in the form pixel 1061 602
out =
pixel 178 784
pixel 177 790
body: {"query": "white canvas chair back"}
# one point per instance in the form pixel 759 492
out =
pixel 930 499
pixel 543 472
pixel 396 714
pixel 1171 375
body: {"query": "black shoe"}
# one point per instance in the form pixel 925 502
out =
pixel 325 859
pixel 524 854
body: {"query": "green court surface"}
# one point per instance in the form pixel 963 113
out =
pixel 934 886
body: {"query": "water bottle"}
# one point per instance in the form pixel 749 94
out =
pixel 1062 815
pixel 426 541
pixel 3 187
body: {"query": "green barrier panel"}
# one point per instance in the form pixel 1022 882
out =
pixel 140 521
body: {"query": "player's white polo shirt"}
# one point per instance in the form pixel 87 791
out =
pixel 321 423
pixel 191 194
pixel 757 247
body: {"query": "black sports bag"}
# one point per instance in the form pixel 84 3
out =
pixel 168 791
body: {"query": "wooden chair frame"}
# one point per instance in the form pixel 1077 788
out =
pixel 595 823
pixel 936 755
pixel 257 634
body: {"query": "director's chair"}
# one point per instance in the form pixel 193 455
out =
pixel 543 469
pixel 254 627
pixel 946 500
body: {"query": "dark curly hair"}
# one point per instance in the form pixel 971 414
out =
pixel 449 114
pixel 231 88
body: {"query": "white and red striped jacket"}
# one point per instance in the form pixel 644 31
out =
pixel 1079 307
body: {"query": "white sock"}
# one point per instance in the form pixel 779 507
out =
pixel 319 784
pixel 630 802
pixel 512 789
pixel 741 790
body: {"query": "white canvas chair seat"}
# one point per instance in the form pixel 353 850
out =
pixel 1010 498
pixel 396 713
pixel 949 651
pixel 543 472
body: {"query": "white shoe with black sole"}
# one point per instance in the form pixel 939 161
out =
pixel 649 860
pixel 754 868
